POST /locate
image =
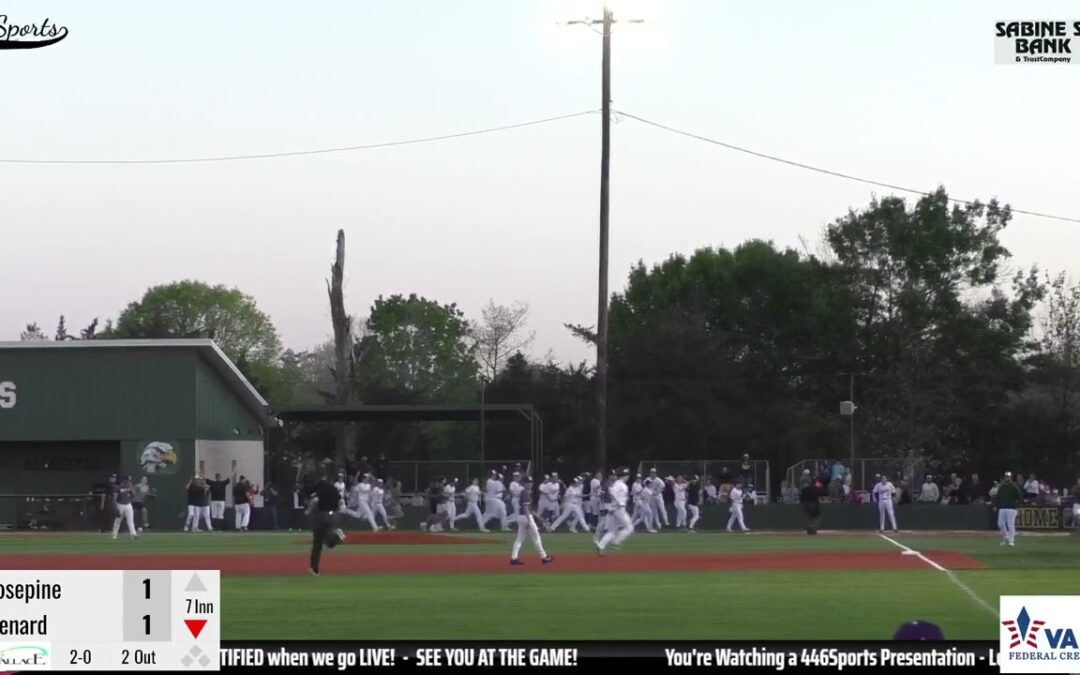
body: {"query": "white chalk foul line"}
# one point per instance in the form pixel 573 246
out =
pixel 948 573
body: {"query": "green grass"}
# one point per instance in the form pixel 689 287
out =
pixel 810 604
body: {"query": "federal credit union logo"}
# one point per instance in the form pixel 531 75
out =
pixel 24 656
pixel 1038 634
pixel 1037 42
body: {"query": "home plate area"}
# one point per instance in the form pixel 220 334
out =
pixel 287 564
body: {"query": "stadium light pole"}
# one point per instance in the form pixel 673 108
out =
pixel 605 24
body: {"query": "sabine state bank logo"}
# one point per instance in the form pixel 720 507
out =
pixel 1039 634
pixel 1037 42
pixel 16 34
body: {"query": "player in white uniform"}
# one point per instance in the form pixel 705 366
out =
pixel 526 523
pixel 339 484
pixel 654 487
pixel 604 521
pixel 494 504
pixel 125 511
pixel 736 496
pixel 679 488
pixel 571 508
pixel 544 504
pixel 450 497
pixel 643 506
pixel 472 505
pixel 515 497
pixel 596 485
pixel 378 503
pixel 622 526
pixel 883 495
pixel 358 503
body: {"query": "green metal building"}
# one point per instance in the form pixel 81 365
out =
pixel 73 412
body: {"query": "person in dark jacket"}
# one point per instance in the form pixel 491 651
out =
pixel 810 497
pixel 323 507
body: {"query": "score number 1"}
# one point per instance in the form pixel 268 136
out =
pixel 146 617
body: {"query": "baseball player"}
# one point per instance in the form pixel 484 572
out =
pixel 494 503
pixel 515 490
pixel 571 508
pixel 679 489
pixel 378 503
pixel 450 502
pixel 241 503
pixel 693 502
pixel 198 504
pixel 436 511
pixel 622 526
pixel 643 506
pixel 595 490
pixel 544 499
pixel 340 485
pixel 604 523
pixel 658 502
pixel 883 495
pixel 1007 499
pixel 124 511
pixel 526 523
pixel 324 503
pixel 736 496
pixel 472 505
pixel 550 511
pixel 217 496
pixel 358 503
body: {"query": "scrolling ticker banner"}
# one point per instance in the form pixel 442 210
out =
pixel 743 656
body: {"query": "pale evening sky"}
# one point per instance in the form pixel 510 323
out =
pixel 904 92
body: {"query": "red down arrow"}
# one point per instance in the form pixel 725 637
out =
pixel 195 626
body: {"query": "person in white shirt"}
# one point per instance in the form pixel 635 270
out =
pixel 339 484
pixel 515 497
pixel 549 499
pixel 736 495
pixel 883 494
pixel 358 503
pixel 595 488
pixel 494 504
pixel 604 521
pixel 679 488
pixel 929 493
pixel 378 503
pixel 571 508
pixel 640 512
pixel 450 497
pixel 1031 489
pixel 472 505
pixel 622 527
pixel 656 485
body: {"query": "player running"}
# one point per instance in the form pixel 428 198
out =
pixel 622 527
pixel 678 487
pixel 736 496
pixel 571 508
pixel 494 503
pixel 472 505
pixel 526 523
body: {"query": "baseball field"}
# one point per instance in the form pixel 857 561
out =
pixel 674 585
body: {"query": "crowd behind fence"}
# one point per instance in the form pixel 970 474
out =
pixel 718 471
pixel 906 472
pixel 416 475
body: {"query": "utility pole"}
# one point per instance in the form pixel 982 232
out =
pixel 605 171
pixel 847 409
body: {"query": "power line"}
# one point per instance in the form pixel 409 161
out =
pixel 827 172
pixel 298 153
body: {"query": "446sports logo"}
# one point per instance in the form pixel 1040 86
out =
pixel 1038 634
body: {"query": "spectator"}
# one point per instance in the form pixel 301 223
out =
pixel 1031 490
pixel 837 470
pixel 725 477
pixel 929 493
pixel 975 490
pixel 903 494
pixel 746 470
pixel 848 493
pixel 382 466
pixel 960 491
pixel 364 466
pixel 836 489
pixel 993 491
pixel 1076 491
pixel 270 504
pixel 710 491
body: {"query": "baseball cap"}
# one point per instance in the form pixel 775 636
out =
pixel 919 631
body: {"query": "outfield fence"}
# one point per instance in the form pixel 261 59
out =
pixel 719 470
pixel 905 471
pixel 415 476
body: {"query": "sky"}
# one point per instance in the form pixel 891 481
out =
pixel 904 92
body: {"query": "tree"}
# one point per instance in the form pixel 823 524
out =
pixel 938 337
pixel 344 361
pixel 33 333
pixel 417 350
pixel 500 334
pixel 193 309
pixel 61 331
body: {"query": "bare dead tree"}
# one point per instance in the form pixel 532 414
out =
pixel 500 334
pixel 344 363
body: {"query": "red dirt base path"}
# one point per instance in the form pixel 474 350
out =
pixel 285 564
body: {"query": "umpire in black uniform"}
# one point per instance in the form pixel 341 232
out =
pixel 323 508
